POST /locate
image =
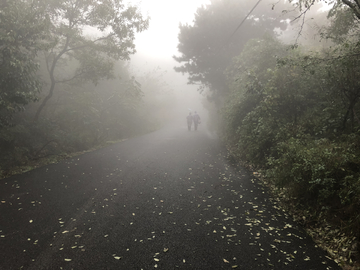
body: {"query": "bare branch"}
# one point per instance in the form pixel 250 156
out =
pixel 77 75
pixel 87 45
pixel 304 12
pixel 301 28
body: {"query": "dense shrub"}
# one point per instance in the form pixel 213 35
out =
pixel 297 119
pixel 321 171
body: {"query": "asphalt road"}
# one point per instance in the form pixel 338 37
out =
pixel 166 200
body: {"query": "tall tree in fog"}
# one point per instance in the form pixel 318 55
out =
pixel 94 33
pixel 22 35
pixel 207 46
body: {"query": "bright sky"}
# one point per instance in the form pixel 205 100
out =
pixel 160 40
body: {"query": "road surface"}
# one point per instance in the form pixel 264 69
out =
pixel 166 200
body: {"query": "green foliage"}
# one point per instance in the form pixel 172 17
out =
pixel 343 75
pixel 344 25
pixel 22 35
pixel 95 100
pixel 111 27
pixel 81 119
pixel 320 170
pixel 254 103
pixel 80 41
pixel 295 115
pixel 26 141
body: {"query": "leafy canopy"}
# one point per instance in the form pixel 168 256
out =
pixel 92 33
pixel 22 34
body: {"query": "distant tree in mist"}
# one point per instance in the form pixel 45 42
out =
pixel 93 33
pixel 22 36
pixel 207 46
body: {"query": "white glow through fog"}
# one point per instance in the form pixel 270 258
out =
pixel 160 40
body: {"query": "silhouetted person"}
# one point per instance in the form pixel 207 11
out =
pixel 189 119
pixel 196 119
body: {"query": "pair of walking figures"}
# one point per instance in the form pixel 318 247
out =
pixel 193 118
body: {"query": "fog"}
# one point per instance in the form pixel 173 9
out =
pixel 102 90
pixel 90 97
pixel 186 98
pixel 158 44
pixel 156 48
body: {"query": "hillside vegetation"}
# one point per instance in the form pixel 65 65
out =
pixel 289 108
pixel 65 81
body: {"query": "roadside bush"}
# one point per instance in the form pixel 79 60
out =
pixel 318 171
pixel 27 142
pixel 256 136
pixel 298 123
pixel 21 143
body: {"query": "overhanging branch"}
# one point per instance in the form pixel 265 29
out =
pixel 354 6
pixel 88 45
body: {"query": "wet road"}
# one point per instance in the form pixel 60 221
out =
pixel 166 200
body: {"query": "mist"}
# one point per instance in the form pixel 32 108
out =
pixel 135 84
pixel 185 98
pixel 132 121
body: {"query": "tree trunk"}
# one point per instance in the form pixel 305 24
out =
pixel 350 111
pixel 52 78
pixel 43 103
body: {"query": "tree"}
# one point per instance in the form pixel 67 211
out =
pixel 342 60
pixel 354 5
pixel 22 35
pixel 92 32
pixel 207 46
pixel 91 114
pixel 344 15
pixel 249 77
pixel 343 72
